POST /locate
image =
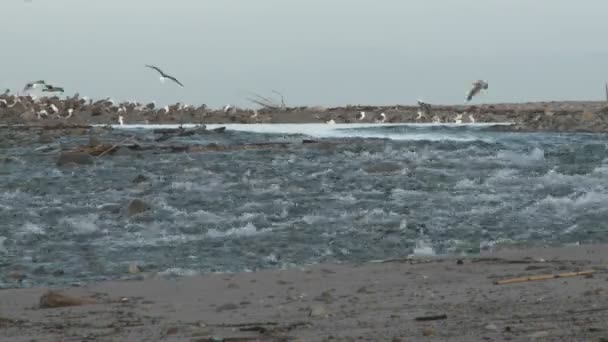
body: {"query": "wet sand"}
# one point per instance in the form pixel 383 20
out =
pixel 376 301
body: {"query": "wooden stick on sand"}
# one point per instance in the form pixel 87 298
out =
pixel 542 277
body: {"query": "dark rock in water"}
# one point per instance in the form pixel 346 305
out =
pixel 45 139
pixel 94 140
pixel 77 158
pixel 140 179
pixel 219 129
pixel 137 206
pixel 383 168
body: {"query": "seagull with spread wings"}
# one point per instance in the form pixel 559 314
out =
pixel 477 87
pixel 163 76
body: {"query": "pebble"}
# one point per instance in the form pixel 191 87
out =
pixel 491 327
pixel 318 311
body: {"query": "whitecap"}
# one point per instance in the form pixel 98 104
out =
pixel 178 272
pixel 83 224
pixel 465 184
pixel 29 228
pixel 248 230
pixel 536 155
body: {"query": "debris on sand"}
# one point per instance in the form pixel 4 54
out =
pixel 53 299
pixel 432 317
pixel 543 277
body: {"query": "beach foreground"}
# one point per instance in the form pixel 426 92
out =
pixel 376 301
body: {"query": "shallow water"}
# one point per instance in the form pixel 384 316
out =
pixel 445 189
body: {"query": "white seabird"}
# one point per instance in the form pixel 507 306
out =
pixel 120 120
pixel 331 122
pixel 163 76
pixel 70 112
pixel 471 118
pixel 33 85
pixel 382 118
pixel 53 109
pixel 477 87
pixel 458 119
pixel 361 116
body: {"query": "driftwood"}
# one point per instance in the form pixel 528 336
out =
pixel 432 318
pixel 168 133
pixel 53 299
pixel 542 277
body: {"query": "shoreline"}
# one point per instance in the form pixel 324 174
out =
pixel 548 116
pixel 402 299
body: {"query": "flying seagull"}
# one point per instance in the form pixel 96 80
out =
pixel 477 87
pixel 52 89
pixel 33 85
pixel 163 75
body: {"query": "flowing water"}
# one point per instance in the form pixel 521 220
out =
pixel 410 190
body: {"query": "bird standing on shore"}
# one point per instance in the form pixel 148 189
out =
pixel 477 87
pixel 164 76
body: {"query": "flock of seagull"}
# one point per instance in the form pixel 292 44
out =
pixel 51 108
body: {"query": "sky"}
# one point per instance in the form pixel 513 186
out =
pixel 315 52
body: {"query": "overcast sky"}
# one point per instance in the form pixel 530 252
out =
pixel 317 52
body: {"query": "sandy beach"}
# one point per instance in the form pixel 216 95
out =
pixel 402 299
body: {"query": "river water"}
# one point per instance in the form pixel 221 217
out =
pixel 412 189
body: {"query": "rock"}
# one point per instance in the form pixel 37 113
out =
pixel 428 332
pixel 318 311
pixel 28 116
pixel 140 179
pixel 539 334
pixel 491 327
pixel 325 297
pixel 227 307
pixel 172 331
pixel 53 299
pixel 94 140
pixel 134 269
pixel 16 275
pixel 45 138
pixel 137 207
pixel 76 158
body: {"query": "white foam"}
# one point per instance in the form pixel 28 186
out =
pixel 248 230
pixel 321 130
pixel 423 248
pixel 83 224
pixel 465 184
pixel 535 155
pixel 179 272
pixel 31 229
